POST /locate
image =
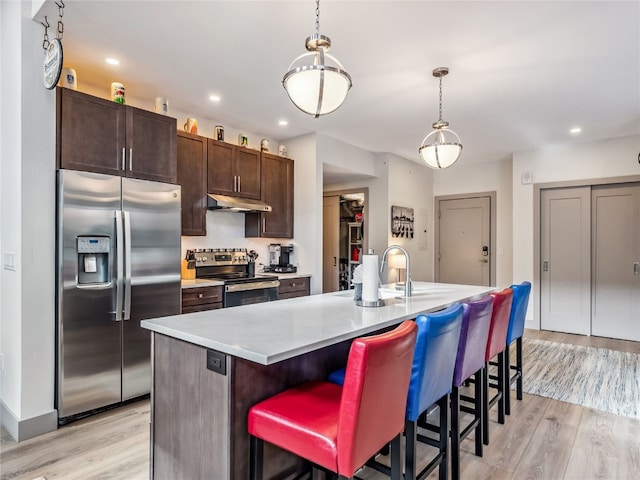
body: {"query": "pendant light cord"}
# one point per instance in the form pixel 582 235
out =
pixel 318 17
pixel 440 107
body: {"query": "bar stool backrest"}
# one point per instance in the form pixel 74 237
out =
pixel 433 359
pixel 374 395
pixel 519 306
pixel 499 322
pixel 473 338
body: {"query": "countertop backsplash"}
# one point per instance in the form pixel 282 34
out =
pixel 226 230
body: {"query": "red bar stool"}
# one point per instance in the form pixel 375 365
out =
pixel 339 428
pixel 496 344
pixel 515 332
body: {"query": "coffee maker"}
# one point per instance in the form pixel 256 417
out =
pixel 280 259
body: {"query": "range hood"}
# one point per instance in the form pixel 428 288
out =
pixel 233 204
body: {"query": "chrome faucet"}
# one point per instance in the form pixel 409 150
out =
pixel 407 283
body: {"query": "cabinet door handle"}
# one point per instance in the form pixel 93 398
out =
pixel 335 261
pixel 545 266
pixel 264 225
pixel 235 183
pixel 200 295
pixel 124 157
pixel 636 268
pixel 239 187
pixel 130 159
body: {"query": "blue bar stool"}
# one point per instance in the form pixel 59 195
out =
pixel 515 332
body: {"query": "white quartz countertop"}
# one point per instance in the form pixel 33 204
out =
pixel 270 332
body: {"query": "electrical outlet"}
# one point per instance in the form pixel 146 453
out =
pixel 216 362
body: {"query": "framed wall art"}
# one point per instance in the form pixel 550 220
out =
pixel 401 222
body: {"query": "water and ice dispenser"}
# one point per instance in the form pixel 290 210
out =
pixel 93 259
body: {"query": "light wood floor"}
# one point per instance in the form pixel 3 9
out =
pixel 542 439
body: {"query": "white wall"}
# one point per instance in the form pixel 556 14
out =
pixel 464 178
pixel 411 185
pixel 28 229
pixel 609 158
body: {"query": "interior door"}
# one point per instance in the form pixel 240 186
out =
pixel 330 243
pixel 565 273
pixel 616 262
pixel 464 241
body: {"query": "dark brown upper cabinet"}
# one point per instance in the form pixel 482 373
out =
pixel 192 177
pixel 233 170
pixel 277 191
pixel 98 135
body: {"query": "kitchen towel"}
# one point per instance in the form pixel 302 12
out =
pixel 370 279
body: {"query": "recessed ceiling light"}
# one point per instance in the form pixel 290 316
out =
pixel 214 98
pixel 575 130
pixel 283 123
pixel 112 61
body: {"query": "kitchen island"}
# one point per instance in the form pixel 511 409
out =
pixel 210 367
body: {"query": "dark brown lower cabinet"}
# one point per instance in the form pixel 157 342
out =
pixel 293 287
pixel 198 299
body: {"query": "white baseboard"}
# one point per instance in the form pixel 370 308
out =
pixel 22 430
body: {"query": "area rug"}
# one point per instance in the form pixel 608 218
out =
pixel 598 378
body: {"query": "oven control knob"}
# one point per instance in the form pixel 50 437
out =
pixel 204 259
pixel 198 259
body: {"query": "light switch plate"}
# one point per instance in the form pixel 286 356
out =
pixel 9 261
pixel 526 178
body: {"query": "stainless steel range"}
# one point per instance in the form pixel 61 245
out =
pixel 231 265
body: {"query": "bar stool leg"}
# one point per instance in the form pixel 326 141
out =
pixel 411 438
pixel 455 433
pixel 396 462
pixel 507 373
pixel 479 413
pixel 501 388
pixel 443 403
pixel 485 403
pixel 519 367
pixel 256 448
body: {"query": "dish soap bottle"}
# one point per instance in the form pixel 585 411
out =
pixel 189 266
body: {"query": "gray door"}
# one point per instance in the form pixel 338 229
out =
pixel 616 257
pixel 565 273
pixel 151 213
pixel 330 243
pixel 464 241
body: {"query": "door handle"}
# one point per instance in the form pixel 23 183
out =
pixel 119 263
pixel 124 158
pixel 127 266
pixel 545 266
pixel 636 268
pixel 239 187
pixel 335 261
pixel 130 159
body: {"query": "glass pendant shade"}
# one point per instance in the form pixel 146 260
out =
pixel 441 148
pixel 314 86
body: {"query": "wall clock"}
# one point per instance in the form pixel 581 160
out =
pixel 52 64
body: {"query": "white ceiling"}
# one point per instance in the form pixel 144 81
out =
pixel 522 73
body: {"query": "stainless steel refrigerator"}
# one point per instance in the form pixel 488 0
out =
pixel 118 262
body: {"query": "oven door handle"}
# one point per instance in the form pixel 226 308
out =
pixel 242 287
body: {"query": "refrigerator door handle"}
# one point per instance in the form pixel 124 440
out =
pixel 119 265
pixel 127 265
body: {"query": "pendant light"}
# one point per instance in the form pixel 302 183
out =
pixel 441 148
pixel 315 86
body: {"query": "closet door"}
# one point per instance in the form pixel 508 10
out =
pixel 616 262
pixel 330 243
pixel 565 273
